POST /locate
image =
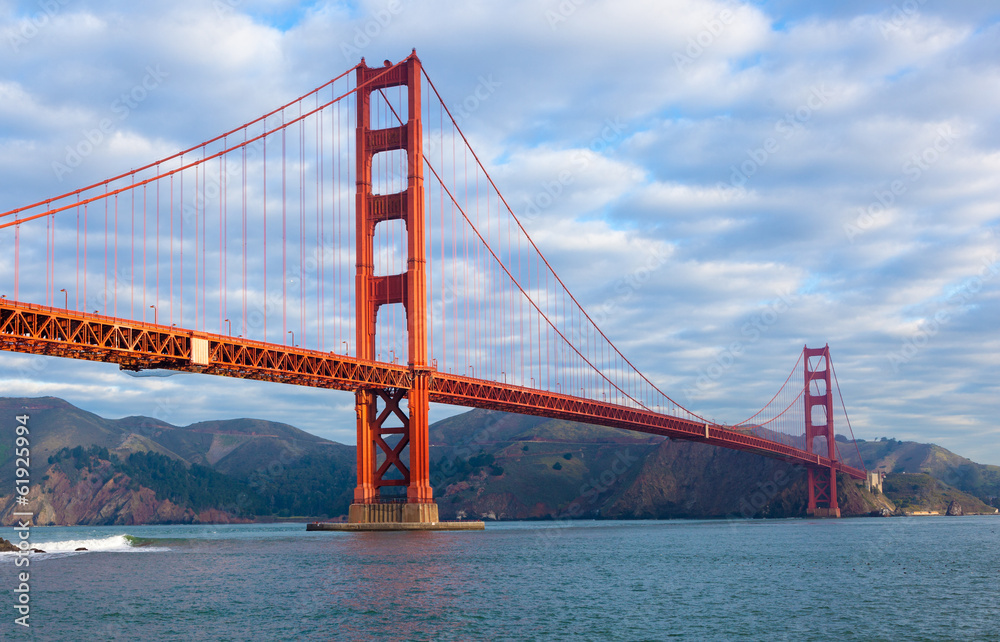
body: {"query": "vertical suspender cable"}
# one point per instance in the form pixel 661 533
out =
pixel 284 240
pixel 204 241
pixel 243 232
pixel 264 254
pixel 320 230
pixel 145 283
pixel 77 292
pixel 180 216
pixel 157 296
pixel 223 232
pixel 302 230
pixel 201 213
pixel 131 303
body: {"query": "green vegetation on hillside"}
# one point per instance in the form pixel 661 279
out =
pixel 197 487
pixel 448 471
pixel 315 485
pixel 311 486
pixel 921 491
pixel 981 481
pixel 894 456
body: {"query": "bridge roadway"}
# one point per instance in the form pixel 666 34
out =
pixel 35 329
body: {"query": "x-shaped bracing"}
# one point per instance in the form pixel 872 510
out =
pixel 393 454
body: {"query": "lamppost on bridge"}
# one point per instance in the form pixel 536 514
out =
pixel 472 371
pixel 229 325
pixel 66 306
pixel 154 314
pixel 293 337
pixel 347 348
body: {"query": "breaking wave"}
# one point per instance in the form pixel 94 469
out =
pixel 112 544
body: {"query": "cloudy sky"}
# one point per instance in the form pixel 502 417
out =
pixel 750 177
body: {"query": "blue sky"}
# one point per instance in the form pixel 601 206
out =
pixel 779 173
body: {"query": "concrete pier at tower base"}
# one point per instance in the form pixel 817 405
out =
pixel 394 517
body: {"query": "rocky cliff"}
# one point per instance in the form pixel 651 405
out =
pixel 100 498
pixel 490 465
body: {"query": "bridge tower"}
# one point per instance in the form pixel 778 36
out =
pixel 822 479
pixel 385 428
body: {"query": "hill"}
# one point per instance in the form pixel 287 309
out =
pixel 498 466
pixel 952 471
pixel 494 465
pixel 922 492
pixel 91 470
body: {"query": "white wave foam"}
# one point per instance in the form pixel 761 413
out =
pixel 113 544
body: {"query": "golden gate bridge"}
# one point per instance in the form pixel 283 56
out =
pixel 352 239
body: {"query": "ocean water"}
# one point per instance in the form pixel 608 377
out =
pixel 930 578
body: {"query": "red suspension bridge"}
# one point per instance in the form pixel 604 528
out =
pixel 352 239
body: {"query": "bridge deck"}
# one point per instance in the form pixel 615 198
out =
pixel 35 329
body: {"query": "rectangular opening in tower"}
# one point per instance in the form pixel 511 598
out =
pixel 389 172
pixel 389 107
pixel 818 416
pixel 390 251
pixel 391 345
pixel 820 446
